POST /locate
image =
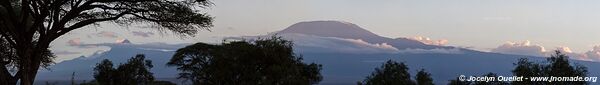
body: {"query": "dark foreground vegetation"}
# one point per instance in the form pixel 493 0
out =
pixel 260 62
pixel 558 65
pixel 273 62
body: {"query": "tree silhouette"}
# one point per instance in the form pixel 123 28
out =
pixel 134 72
pixel 423 78
pixel 104 73
pixel 264 61
pixel 557 65
pixel 528 69
pixel 27 27
pixel 390 73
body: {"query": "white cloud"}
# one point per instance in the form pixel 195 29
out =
pixel 436 50
pixel 520 48
pixel 107 34
pixel 74 42
pixel 429 41
pixel 66 53
pixel 318 44
pixel 593 55
pixel 526 48
pixel 142 34
pixel 310 43
pixel 360 42
pixel 567 51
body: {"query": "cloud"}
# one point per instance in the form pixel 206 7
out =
pixel 142 34
pixel 74 42
pixel 567 51
pixel 429 41
pixel 526 48
pixel 66 53
pixel 318 44
pixel 360 42
pixel 520 48
pixel 436 50
pixel 592 55
pixel 107 34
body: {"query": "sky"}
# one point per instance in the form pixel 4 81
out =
pixel 484 25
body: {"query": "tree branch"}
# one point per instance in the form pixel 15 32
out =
pixel 74 12
pixel 85 23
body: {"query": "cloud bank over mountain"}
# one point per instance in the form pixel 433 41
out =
pixel 520 48
pixel 317 44
pixel 427 40
pixel 526 48
pixel 344 37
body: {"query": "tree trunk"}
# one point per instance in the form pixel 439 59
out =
pixel 30 63
pixel 29 77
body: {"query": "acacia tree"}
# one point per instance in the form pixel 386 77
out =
pixel 27 27
pixel 261 62
pixel 390 73
pixel 423 78
pixel 134 72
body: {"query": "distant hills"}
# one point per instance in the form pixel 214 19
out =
pixel 347 52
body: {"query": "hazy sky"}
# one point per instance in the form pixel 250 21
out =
pixel 482 24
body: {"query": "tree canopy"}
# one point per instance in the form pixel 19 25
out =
pixel 27 27
pixel 557 65
pixel 423 78
pixel 134 72
pixel 260 62
pixel 390 73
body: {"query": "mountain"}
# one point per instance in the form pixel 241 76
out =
pixel 347 52
pixel 331 29
pixel 347 30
